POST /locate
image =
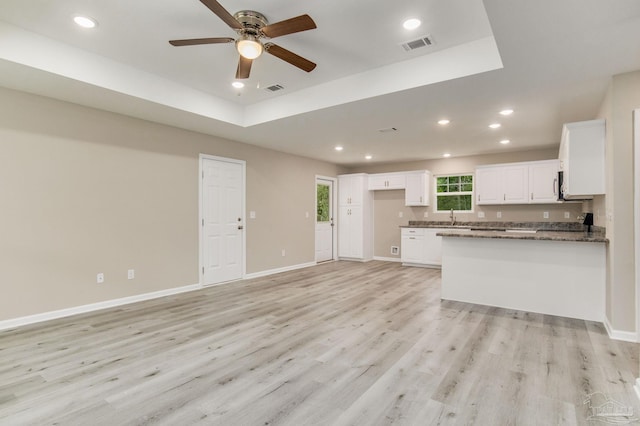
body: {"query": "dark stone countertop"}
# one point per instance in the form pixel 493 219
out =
pixel 550 231
pixel 592 237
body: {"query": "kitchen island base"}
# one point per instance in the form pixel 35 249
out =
pixel 561 278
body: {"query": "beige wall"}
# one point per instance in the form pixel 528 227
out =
pixel 388 205
pixel 622 98
pixel 85 191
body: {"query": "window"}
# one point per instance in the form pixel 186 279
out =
pixel 454 192
pixel 322 207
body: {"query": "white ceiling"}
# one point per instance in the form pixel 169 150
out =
pixel 549 60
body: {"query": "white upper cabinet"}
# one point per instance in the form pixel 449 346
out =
pixel 417 191
pixel 351 188
pixel 543 181
pixel 381 181
pixel 515 184
pixel 489 185
pixel 582 161
pixel 533 182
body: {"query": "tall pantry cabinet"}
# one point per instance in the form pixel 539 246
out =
pixel 355 217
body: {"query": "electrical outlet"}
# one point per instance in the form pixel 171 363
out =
pixel 100 278
pixel 499 215
pixel 131 274
pixel 426 214
pixel 252 214
pixel 400 214
pixel 567 215
pixel 283 253
pixel 395 250
pixel 480 215
pixel 545 215
pixel 306 214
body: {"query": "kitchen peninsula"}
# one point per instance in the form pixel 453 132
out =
pixel 552 272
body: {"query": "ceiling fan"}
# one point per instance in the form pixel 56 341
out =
pixel 252 27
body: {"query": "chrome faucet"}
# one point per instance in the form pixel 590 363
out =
pixel 453 218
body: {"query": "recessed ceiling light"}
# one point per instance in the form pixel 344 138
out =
pixel 338 148
pixel 495 125
pixel 505 141
pixel 368 157
pixel 446 155
pixel 444 122
pixel 506 112
pixel 85 21
pixel 411 24
pixel 238 84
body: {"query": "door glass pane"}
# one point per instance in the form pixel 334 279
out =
pixel 322 208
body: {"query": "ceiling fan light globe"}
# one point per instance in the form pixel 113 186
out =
pixel 249 47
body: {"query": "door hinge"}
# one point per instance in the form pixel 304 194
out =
pixel 202 222
pixel 203 174
pixel 203 270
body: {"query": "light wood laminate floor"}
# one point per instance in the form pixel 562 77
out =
pixel 337 344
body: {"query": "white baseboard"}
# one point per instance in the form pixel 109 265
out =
pixel 278 270
pixel 387 259
pixel 46 316
pixel 625 336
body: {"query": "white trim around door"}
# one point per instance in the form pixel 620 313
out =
pixel 221 219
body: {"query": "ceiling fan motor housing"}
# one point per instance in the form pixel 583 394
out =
pixel 252 22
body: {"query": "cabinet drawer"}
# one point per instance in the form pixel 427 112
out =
pixel 412 232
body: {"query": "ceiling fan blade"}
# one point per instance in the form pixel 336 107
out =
pixel 289 26
pixel 194 41
pixel 244 68
pixel 222 13
pixel 288 56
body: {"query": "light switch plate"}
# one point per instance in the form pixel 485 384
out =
pixel 400 214
pixel 499 215
pixel 545 215
pixel 426 214
pixel 567 215
pixel 252 214
pixel 481 215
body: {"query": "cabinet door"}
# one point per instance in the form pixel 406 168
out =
pixel 515 184
pixel 543 182
pixel 383 181
pixel 350 231
pixel 432 247
pixel 350 189
pixel 411 249
pixel 488 185
pixel 417 191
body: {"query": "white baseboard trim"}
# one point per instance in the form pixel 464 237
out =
pixel 387 259
pixel 278 270
pixel 625 336
pixel 46 316
pixel 636 387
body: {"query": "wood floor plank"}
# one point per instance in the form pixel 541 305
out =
pixel 341 343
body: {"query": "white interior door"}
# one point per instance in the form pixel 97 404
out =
pixel 222 220
pixel 324 220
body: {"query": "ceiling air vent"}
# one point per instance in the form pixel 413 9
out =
pixel 274 88
pixel 423 41
pixel 388 130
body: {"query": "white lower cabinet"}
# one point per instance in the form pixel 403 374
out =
pixel 421 247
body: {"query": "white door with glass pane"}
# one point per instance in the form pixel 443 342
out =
pixel 324 220
pixel 222 220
